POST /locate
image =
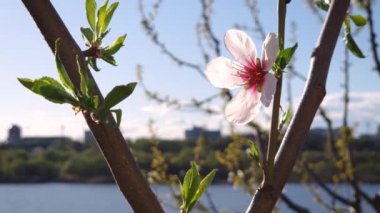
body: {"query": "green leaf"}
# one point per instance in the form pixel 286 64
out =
pixel 108 17
pixel 286 116
pixel 190 184
pixel 95 101
pixel 182 190
pixel 254 151
pixel 28 83
pixel 102 13
pixel 118 94
pixel 113 48
pixel 90 12
pixel 102 115
pixel 92 62
pixel 63 76
pixel 87 103
pixel 284 57
pixel 118 114
pixel 87 84
pixel 352 46
pixel 322 5
pixel 107 57
pixel 87 35
pixel 202 187
pixel 83 84
pixel 287 54
pixel 349 40
pixel 347 25
pixel 50 89
pixel 358 20
pixel 102 35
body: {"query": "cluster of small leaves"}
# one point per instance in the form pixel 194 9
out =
pixel 82 99
pixel 94 35
pixel 235 158
pixel 344 161
pixel 349 41
pixel 115 96
pixel 53 91
pixel 283 59
pixel 193 187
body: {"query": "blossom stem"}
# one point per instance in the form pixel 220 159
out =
pixel 273 136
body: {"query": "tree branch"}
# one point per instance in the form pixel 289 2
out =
pixel 292 205
pixel 254 11
pixel 331 137
pixel 265 198
pixel 327 189
pixel 110 140
pixel 372 35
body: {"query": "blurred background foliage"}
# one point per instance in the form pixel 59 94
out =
pixel 82 162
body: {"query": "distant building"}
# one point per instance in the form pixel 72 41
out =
pixel 318 132
pixel 88 137
pixel 15 138
pixel 14 135
pixel 196 132
pixel 316 139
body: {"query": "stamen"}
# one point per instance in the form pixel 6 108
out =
pixel 258 63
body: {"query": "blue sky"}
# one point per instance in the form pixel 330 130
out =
pixel 24 53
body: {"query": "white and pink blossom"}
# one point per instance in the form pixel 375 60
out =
pixel 248 71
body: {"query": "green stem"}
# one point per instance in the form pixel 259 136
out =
pixel 273 137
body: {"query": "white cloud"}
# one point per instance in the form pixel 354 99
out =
pixel 363 110
pixel 157 109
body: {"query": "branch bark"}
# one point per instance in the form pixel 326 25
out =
pixel 265 198
pixel 372 34
pixel 110 140
pixel 295 207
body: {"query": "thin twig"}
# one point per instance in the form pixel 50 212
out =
pixel 331 136
pixel 153 34
pixel 258 26
pixel 274 131
pixel 329 191
pixel 297 208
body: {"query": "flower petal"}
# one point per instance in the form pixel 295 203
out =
pixel 243 107
pixel 220 73
pixel 268 89
pixel 240 46
pixel 269 51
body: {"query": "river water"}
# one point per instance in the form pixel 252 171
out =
pixel 106 198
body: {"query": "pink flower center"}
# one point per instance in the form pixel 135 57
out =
pixel 253 74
